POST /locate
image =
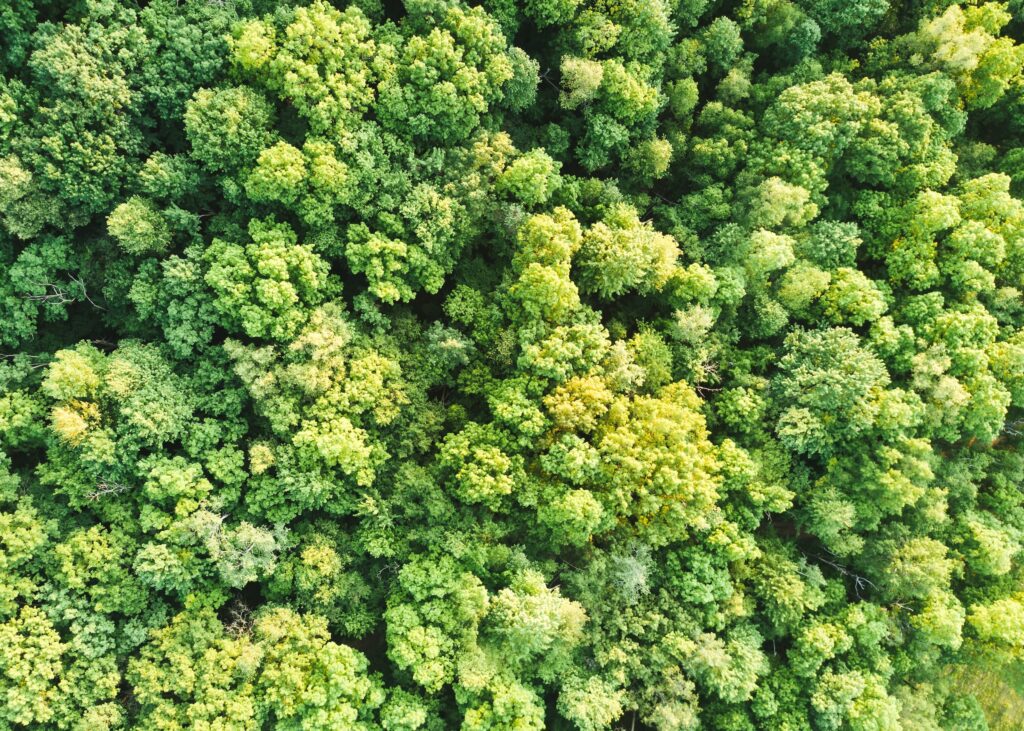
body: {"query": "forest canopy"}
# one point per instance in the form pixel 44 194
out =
pixel 505 366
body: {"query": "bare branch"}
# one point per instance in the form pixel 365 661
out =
pixel 556 87
pixel 859 582
pixel 59 294
pixel 240 618
pixel 107 488
pixel 53 294
pixel 36 360
pixel 85 293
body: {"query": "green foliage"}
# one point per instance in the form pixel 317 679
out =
pixel 441 83
pixel 364 370
pixel 619 253
pixel 227 128
pixel 262 288
pixel 279 668
pixel 31 665
pixel 138 227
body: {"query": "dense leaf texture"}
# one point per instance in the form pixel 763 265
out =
pixel 648 364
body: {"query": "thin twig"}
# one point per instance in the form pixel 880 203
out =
pixel 859 582
pixel 107 488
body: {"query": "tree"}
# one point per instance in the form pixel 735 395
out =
pixel 31 668
pixel 433 615
pixel 983 72
pixel 263 287
pixel 138 227
pixel 319 61
pixel 363 370
pixel 619 253
pixel 227 128
pixel 828 387
pixel 443 82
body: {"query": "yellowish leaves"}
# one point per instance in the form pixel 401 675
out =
pixel 620 253
pixel 253 45
pixel 73 420
pixel 261 458
pixel 72 375
pixel 579 403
